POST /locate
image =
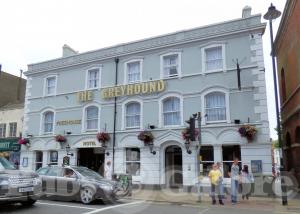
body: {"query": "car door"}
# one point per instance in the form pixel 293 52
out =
pixel 69 186
pixel 50 183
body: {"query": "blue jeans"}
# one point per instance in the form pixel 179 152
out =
pixel 234 190
pixel 221 186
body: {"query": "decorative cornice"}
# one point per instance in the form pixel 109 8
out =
pixel 181 37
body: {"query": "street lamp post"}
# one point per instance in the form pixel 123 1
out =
pixel 270 16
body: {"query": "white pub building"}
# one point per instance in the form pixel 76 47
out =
pixel 154 84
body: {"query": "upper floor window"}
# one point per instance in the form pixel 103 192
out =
pixel 2 130
pixel 215 106
pixel 171 65
pixel 12 129
pixel 50 87
pixel 93 78
pixel 133 115
pixel 214 58
pixel 171 111
pixel 133 71
pixel 92 113
pixel 48 122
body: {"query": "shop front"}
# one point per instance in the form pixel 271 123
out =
pixel 10 149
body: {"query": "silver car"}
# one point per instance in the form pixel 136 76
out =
pixel 18 186
pixel 76 183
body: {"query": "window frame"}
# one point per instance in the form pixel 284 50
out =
pixel 161 112
pixel 14 129
pixel 203 53
pixel 203 101
pixel 46 85
pixel 38 162
pixel 124 108
pixel 126 70
pixel 130 161
pixel 87 77
pixel 209 162
pixel 3 132
pixel 84 119
pixel 42 122
pixel 162 67
pixel 132 127
pixel 50 160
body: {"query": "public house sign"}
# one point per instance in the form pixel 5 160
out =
pixel 134 89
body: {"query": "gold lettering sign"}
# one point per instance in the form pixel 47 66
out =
pixel 84 96
pixel 134 89
pixel 68 122
pixel 89 143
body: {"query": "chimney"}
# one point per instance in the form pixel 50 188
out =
pixel 68 51
pixel 246 12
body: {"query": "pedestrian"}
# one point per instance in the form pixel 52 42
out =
pixel 221 185
pixel 214 176
pixel 108 170
pixel 246 181
pixel 235 175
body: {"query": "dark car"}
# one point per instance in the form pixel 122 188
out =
pixel 76 183
pixel 18 186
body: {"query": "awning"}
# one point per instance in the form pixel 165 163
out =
pixel 9 144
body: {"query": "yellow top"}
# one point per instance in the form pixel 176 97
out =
pixel 214 176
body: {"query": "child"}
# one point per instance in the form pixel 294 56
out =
pixel 215 175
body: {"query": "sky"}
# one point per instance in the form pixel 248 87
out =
pixel 33 30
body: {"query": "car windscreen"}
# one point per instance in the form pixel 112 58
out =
pixel 42 171
pixel 88 173
pixel 5 164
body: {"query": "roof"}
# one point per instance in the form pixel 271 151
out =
pixel 221 29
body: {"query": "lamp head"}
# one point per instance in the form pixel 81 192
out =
pixel 272 13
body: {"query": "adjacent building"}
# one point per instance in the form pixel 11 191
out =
pixel 287 51
pixel 154 84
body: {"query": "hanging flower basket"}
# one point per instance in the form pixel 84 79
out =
pixel 146 136
pixel 24 141
pixel 248 132
pixel 103 137
pixel 60 138
pixel 186 135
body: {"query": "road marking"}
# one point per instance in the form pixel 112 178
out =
pixel 204 211
pixel 112 207
pixel 63 205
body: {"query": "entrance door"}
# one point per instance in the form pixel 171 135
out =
pixel 88 158
pixel 173 167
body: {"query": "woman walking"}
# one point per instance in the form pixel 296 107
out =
pixel 215 175
pixel 246 180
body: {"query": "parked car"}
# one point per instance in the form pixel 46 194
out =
pixel 18 186
pixel 76 183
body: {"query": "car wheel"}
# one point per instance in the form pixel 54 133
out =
pixel 87 195
pixel 29 202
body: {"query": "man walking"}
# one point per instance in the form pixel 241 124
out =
pixel 234 174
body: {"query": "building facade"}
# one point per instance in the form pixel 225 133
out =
pixel 154 84
pixel 287 51
pixel 11 125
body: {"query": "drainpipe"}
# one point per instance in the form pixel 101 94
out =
pixel 115 116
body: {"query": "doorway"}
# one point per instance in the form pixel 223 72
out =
pixel 173 167
pixel 87 157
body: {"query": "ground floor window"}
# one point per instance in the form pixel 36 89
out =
pixel 229 154
pixel 38 159
pixel 207 158
pixel 53 157
pixel 133 162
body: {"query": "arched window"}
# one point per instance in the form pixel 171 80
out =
pixel 133 115
pixel 171 111
pixel 283 86
pixel 48 122
pixel 91 119
pixel 215 106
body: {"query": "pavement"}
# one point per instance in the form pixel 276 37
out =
pixel 177 197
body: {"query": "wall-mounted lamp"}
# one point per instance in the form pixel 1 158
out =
pixel 29 135
pixel 68 148
pixel 107 153
pixel 151 148
pixel 187 147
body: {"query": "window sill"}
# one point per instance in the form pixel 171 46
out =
pixel 132 128
pixel 213 71
pixel 216 121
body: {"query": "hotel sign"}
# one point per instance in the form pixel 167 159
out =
pixel 134 89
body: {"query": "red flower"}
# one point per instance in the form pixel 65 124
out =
pixel 146 136
pixel 23 141
pixel 103 137
pixel 186 135
pixel 248 132
pixel 60 138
